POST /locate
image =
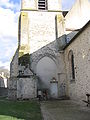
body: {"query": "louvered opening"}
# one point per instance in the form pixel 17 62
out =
pixel 42 4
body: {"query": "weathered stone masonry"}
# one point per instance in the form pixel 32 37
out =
pixel 44 43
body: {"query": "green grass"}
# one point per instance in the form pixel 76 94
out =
pixel 19 110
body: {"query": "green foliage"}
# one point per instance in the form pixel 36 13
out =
pixel 21 54
pixel 24 60
pixel 19 110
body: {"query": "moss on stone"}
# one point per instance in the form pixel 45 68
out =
pixel 24 60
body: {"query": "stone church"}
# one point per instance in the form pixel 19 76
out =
pixel 53 51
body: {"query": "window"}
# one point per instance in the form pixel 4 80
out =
pixel 42 4
pixel 71 65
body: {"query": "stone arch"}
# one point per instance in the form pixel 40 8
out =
pixel 36 57
pixel 46 55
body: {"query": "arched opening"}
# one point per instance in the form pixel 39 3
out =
pixel 46 69
pixel 71 65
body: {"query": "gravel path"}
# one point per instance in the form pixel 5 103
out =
pixel 64 110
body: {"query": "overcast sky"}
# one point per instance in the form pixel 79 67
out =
pixel 9 12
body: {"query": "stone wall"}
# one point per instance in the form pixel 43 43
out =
pixel 54 5
pixel 61 75
pixel 29 4
pixel 27 87
pixel 12 82
pixel 81 50
pixel 12 88
pixel 14 65
pixel 22 88
pixel 41 30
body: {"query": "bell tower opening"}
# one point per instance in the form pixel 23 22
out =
pixel 48 5
pixel 42 4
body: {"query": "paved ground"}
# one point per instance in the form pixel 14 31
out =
pixel 64 110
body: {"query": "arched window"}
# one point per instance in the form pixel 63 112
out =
pixel 71 65
pixel 42 4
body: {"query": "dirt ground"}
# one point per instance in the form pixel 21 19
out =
pixel 64 110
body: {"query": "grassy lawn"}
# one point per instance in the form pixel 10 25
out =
pixel 19 110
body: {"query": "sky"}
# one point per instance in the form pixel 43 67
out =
pixel 9 12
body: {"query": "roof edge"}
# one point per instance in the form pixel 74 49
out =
pixel 81 30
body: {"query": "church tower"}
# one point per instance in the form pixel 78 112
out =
pixel 40 24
